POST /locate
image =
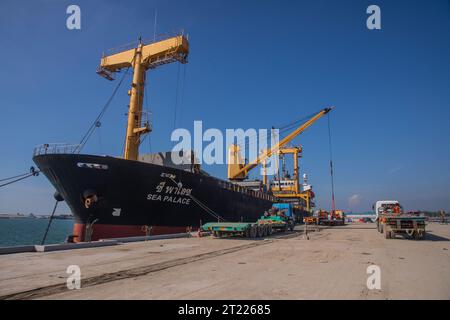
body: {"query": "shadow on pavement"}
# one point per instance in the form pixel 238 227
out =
pixel 432 237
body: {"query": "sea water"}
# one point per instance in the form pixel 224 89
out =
pixel 25 231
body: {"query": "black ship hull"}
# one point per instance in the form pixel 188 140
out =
pixel 136 198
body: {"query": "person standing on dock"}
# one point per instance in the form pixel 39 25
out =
pixel 443 220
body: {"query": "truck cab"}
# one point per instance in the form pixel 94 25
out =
pixel 384 206
pixel 288 213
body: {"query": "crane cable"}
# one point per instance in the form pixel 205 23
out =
pixel 176 98
pixel 97 123
pixel 333 205
pixel 179 95
pixel 282 129
pixel 295 124
pixel 183 85
pixel 17 178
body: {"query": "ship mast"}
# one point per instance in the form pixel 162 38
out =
pixel 140 59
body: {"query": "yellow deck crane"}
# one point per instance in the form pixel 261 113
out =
pixel 238 170
pixel 140 59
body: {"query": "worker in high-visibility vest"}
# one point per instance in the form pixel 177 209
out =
pixel 397 209
pixel 443 220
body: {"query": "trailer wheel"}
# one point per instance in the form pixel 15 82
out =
pixel 260 231
pixel 256 231
pixel 263 231
pixel 247 233
pixel 269 230
pixel 253 232
pixel 291 225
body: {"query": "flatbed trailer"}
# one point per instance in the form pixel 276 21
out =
pixel 265 226
pixel 332 222
pixel 324 221
pixel 324 218
pixel 403 224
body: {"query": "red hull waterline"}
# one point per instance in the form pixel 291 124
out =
pixel 108 231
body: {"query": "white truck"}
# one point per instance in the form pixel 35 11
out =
pixel 384 206
pixel 391 220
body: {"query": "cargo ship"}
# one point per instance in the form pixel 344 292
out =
pixel 143 194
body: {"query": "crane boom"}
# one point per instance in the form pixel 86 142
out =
pixel 241 172
pixel 152 55
pixel 142 58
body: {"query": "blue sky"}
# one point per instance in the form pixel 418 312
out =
pixel 253 64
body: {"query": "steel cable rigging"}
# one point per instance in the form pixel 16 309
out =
pixel 17 178
pixel 333 205
pixel 246 144
pixel 97 123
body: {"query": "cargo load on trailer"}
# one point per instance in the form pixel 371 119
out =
pixel 323 217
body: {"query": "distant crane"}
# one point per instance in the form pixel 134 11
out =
pixel 284 188
pixel 238 171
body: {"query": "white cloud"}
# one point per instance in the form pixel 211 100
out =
pixel 354 200
pixel 395 169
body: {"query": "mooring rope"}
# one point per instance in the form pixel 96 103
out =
pixel 19 177
pixel 49 223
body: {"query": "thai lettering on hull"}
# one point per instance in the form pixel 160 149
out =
pixel 168 193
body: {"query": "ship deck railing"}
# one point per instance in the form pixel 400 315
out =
pixel 56 148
